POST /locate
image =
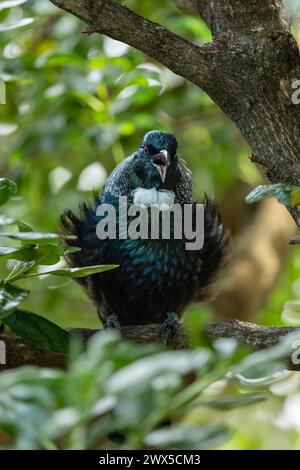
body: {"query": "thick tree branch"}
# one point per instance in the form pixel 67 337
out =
pixel 19 352
pixel 259 63
pixel 225 17
pixel 119 22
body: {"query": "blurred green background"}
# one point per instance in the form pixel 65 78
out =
pixel 76 105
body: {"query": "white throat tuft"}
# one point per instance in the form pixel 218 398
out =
pixel 148 197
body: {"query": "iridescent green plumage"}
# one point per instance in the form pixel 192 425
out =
pixel 156 279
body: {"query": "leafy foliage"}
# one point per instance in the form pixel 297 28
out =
pixel 36 249
pixel 77 272
pixel 7 190
pixel 10 297
pixel 286 194
pixel 71 108
pixel 120 389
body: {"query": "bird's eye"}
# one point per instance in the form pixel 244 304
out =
pixel 146 150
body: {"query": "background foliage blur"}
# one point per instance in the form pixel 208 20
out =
pixel 75 107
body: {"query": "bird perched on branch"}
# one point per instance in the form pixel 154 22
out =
pixel 156 278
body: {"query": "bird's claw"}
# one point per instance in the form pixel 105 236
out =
pixel 112 321
pixel 169 327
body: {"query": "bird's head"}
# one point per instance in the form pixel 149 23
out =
pixel 156 162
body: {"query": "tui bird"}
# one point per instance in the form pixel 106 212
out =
pixel 156 278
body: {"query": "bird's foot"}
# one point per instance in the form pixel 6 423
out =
pixel 112 321
pixel 169 327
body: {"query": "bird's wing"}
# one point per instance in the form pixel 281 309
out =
pixel 119 183
pixel 184 187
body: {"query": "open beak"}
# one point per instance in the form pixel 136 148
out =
pixel 161 161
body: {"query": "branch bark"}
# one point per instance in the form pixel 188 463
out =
pixel 249 334
pixel 20 352
pixel 255 336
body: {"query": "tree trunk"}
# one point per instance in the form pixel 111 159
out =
pixel 254 71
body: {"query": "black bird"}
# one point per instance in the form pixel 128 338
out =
pixel 156 278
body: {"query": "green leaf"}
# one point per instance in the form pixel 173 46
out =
pixel 187 437
pixel 10 297
pixel 45 255
pixel 7 189
pixel 228 403
pixel 282 192
pixel 11 4
pixel 5 220
pixel 58 59
pixel 34 237
pixel 19 269
pixel 39 331
pixel 77 272
pixel 16 25
pixel 48 254
pixel 261 368
pixel 29 375
pixel 21 254
pixel 24 227
pixel 67 250
pixel 296 197
pixel 147 369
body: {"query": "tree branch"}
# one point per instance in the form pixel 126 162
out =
pixel 249 334
pixel 255 336
pixel 119 22
pixel 20 352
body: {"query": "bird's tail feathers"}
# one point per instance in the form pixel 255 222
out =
pixel 83 227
